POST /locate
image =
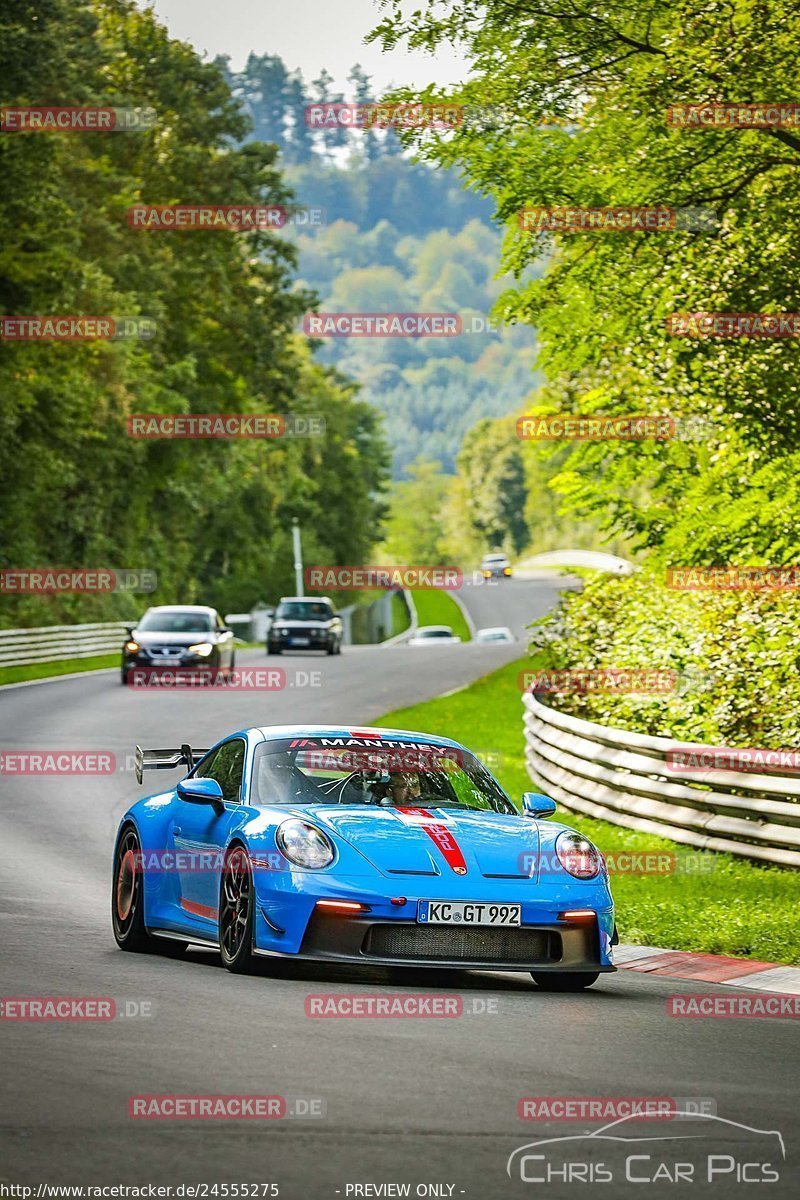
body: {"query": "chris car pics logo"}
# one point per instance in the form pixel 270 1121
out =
pixel 707 1150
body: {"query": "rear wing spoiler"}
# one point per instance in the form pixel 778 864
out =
pixel 166 760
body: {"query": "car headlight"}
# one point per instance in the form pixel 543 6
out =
pixel 202 648
pixel 131 647
pixel 304 844
pixel 578 856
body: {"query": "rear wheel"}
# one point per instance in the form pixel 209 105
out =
pixel 127 903
pixel 236 911
pixel 567 982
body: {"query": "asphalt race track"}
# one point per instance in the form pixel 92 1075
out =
pixel 404 1101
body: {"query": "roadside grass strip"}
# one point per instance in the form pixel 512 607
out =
pixel 437 607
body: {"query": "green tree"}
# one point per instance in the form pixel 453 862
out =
pixel 491 466
pixel 580 97
pixel 415 524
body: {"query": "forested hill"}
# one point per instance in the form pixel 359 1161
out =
pixel 399 236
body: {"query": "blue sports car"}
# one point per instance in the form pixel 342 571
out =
pixel 357 845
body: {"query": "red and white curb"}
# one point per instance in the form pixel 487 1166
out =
pixel 710 968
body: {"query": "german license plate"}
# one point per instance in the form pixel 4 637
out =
pixel 299 641
pixel 168 660
pixel 459 912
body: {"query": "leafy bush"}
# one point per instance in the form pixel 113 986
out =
pixel 735 652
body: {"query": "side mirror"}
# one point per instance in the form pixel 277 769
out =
pixel 535 804
pixel 129 630
pixel 202 791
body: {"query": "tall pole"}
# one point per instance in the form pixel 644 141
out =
pixel 298 558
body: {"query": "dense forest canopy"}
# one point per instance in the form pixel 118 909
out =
pixel 212 518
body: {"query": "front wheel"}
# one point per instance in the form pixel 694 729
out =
pixel 574 982
pixel 272 649
pixel 236 911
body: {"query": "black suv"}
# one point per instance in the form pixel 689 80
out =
pixel 303 624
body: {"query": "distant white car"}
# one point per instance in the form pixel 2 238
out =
pixel 434 635
pixel 495 566
pixel 497 633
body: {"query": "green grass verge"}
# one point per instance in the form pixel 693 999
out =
pixel 734 907
pixel 400 618
pixel 435 607
pixel 66 666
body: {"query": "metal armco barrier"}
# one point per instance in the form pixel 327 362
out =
pixel 50 643
pixel 623 777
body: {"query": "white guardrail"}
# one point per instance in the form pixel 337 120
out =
pixel 623 777
pixel 49 643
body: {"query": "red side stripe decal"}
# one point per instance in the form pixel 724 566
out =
pixel 443 839
pixel 199 910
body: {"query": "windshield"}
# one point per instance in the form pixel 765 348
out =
pixel 302 610
pixel 434 633
pixel 174 621
pixel 388 774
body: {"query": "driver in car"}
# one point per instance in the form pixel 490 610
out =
pixel 401 789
